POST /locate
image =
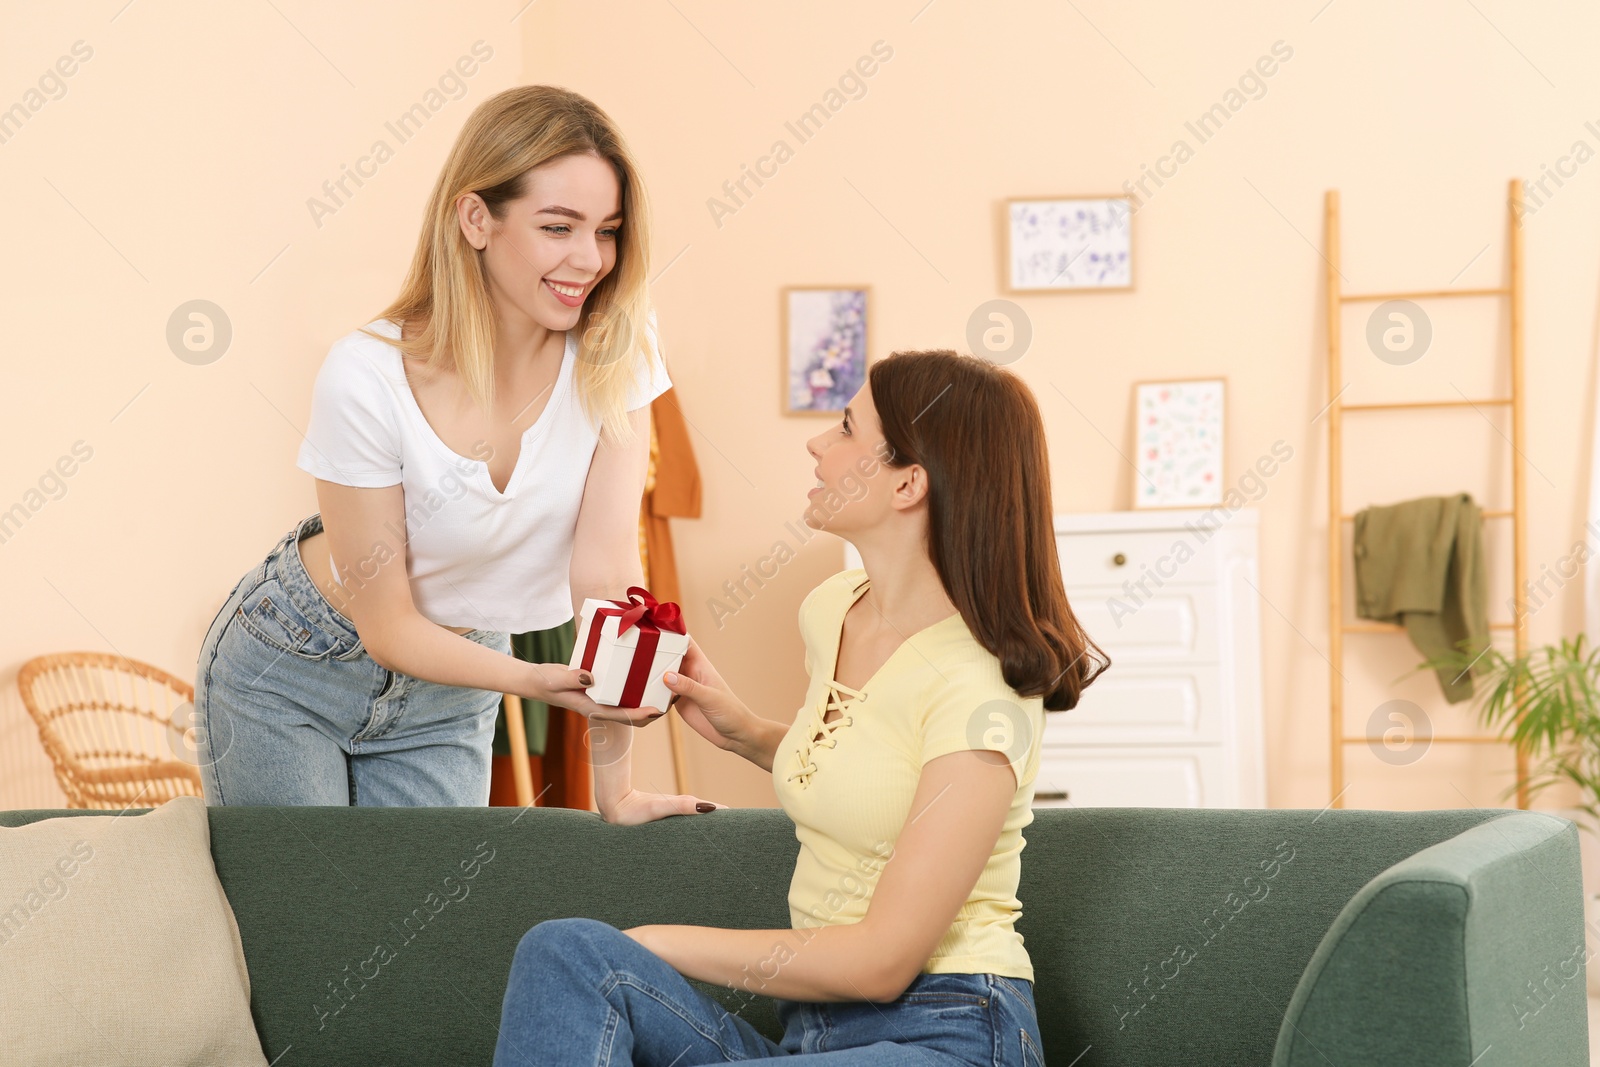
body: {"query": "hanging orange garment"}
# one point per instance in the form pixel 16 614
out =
pixel 673 492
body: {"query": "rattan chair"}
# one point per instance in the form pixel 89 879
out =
pixel 119 732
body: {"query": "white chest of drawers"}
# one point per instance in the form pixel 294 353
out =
pixel 1176 721
pixel 1171 596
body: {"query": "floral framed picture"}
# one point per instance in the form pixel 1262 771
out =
pixel 1178 441
pixel 825 337
pixel 1069 244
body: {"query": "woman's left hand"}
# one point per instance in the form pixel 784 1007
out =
pixel 638 807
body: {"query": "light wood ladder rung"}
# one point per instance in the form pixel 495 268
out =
pixel 1424 294
pixel 1393 628
pixel 1505 513
pixel 1435 739
pixel 1411 405
pixel 1337 627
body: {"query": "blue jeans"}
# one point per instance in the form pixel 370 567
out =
pixel 583 992
pixel 290 709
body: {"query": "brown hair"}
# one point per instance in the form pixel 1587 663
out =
pixel 446 292
pixel 976 430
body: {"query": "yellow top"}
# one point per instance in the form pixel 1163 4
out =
pixel 848 784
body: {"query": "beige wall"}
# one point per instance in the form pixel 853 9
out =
pixel 180 160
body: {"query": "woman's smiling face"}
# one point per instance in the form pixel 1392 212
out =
pixel 556 241
pixel 849 494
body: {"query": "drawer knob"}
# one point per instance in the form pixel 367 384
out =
pixel 1119 559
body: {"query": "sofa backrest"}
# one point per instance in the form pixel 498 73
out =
pixel 384 935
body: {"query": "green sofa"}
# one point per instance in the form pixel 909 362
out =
pixel 1159 936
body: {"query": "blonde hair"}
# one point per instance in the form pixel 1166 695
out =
pixel 446 293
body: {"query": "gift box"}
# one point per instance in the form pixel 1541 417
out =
pixel 628 645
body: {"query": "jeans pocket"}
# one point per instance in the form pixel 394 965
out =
pixel 391 681
pixel 1015 988
pixel 954 990
pixel 974 1000
pixel 1032 1054
pixel 269 616
pixel 1018 1014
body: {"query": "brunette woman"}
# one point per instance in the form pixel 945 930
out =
pixel 908 771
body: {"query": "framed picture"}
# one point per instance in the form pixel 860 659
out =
pixel 825 337
pixel 1069 244
pixel 1178 438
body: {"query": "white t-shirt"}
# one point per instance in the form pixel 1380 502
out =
pixel 476 557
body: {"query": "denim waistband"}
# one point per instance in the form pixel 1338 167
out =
pixel 284 564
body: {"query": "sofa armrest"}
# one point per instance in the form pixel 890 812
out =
pixel 1473 944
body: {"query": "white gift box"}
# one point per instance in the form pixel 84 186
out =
pixel 615 653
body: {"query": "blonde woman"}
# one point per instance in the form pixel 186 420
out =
pixel 480 452
pixel 908 772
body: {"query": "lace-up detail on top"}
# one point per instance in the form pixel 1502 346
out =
pixel 836 701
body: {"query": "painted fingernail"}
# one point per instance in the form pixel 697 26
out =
pixel 705 806
pixel 585 678
pixel 655 715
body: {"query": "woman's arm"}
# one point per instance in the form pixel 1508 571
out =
pixel 361 525
pixel 707 704
pixel 956 818
pixel 605 562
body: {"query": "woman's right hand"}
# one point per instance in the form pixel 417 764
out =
pixel 706 703
pixel 561 686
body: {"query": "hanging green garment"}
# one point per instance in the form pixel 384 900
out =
pixel 1420 564
pixel 536 646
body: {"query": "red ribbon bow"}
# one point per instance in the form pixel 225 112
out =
pixel 647 612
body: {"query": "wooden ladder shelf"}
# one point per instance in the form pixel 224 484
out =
pixel 1336 409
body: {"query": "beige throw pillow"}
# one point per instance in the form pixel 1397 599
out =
pixel 117 945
